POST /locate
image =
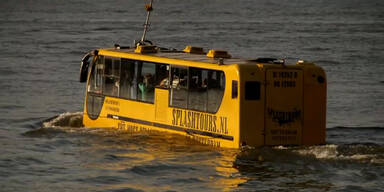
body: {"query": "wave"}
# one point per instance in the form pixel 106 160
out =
pixel 347 143
pixel 331 153
pixel 64 120
pixel 355 128
pixel 55 125
pixel 363 153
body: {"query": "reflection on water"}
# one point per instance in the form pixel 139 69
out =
pixel 123 160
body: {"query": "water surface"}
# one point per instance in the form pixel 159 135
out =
pixel 42 42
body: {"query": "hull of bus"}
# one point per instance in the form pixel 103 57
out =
pixel 211 129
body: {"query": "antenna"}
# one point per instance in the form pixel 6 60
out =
pixel 149 8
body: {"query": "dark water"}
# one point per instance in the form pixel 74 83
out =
pixel 42 42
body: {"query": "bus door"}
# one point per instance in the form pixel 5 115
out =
pixel 162 92
pixel 284 106
pixel 161 101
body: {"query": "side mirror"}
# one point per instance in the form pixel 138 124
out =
pixel 85 65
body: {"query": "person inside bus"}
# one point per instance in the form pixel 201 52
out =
pixel 164 83
pixel 146 87
pixel 116 87
pixel 162 73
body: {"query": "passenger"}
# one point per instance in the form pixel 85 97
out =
pixel 175 82
pixel 164 83
pixel 116 88
pixel 205 83
pixel 146 87
pixel 133 86
pixel 162 77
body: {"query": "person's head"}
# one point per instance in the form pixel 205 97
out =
pixel 147 79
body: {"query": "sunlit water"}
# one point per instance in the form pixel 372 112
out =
pixel 44 148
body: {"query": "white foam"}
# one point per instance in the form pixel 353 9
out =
pixel 320 152
pixel 331 152
pixel 358 157
pixel 281 147
pixel 67 119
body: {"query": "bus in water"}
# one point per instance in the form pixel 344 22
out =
pixel 207 96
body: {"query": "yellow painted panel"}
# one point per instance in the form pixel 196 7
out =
pixel 315 106
pixel 161 105
pixel 252 111
pixel 284 107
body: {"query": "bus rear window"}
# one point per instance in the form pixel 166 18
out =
pixel 252 90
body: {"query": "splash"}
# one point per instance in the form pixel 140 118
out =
pixel 350 152
pixel 320 152
pixel 65 120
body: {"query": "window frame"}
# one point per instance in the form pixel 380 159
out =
pixel 134 67
pixel 112 76
pixel 188 90
pixel 169 86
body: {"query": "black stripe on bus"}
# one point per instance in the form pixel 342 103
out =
pixel 175 128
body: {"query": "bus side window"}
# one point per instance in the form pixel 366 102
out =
pixel 111 77
pixel 197 89
pixel 138 79
pixel 96 78
pixel 162 76
pixel 198 81
pixel 130 77
pixel 179 87
pixel 252 90
pixel 126 79
pixel 216 86
pixel 146 83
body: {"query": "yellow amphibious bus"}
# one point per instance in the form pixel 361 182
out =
pixel 210 97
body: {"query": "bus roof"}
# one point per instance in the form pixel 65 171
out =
pixel 176 54
pixel 171 56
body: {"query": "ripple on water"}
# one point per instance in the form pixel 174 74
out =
pixel 159 169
